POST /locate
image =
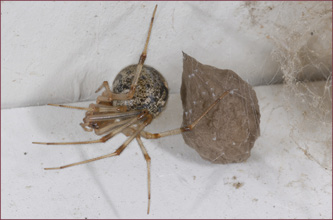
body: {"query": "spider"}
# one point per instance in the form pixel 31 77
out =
pixel 139 95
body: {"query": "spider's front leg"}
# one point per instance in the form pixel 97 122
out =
pixel 108 95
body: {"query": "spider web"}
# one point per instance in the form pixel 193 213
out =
pixel 303 50
pixel 305 56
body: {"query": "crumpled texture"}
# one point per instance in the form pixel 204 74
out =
pixel 228 132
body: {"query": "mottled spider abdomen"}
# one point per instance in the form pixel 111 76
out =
pixel 151 92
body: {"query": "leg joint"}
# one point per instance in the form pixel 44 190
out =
pixel 119 150
pixel 147 157
pixel 186 128
pixel 142 58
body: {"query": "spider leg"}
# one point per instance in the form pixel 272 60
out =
pixel 148 135
pixel 147 158
pixel 95 108
pixel 103 129
pixel 108 95
pixel 105 138
pixel 140 127
pixel 105 85
pixel 67 106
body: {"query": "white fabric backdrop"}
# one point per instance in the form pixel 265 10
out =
pixel 60 52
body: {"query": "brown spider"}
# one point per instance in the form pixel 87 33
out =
pixel 139 95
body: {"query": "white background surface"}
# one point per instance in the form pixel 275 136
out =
pixel 60 52
pixel 283 178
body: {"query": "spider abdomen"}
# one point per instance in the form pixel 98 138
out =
pixel 151 92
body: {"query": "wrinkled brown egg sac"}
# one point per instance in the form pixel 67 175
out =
pixel 228 132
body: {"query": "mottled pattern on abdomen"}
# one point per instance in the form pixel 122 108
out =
pixel 151 92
